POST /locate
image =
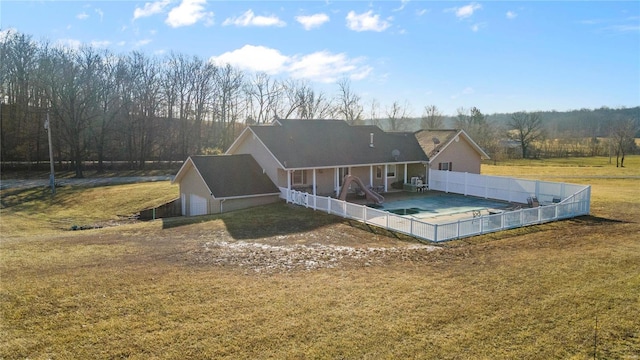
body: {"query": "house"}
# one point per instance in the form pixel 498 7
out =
pixel 216 184
pixel 316 156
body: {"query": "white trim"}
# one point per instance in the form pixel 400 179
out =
pixel 356 165
pixel 229 151
pixel 473 144
pixel 197 172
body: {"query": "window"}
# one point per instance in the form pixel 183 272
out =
pixel 299 177
pixel 391 171
pixel 446 166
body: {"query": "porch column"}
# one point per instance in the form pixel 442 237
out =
pixel 405 173
pixel 370 176
pixel 336 181
pixel 288 185
pixel 386 180
pixel 426 174
pixel 314 182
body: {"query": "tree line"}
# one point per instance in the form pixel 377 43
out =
pixel 134 108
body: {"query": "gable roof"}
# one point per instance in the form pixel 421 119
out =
pixel 229 176
pixel 330 143
pixel 435 140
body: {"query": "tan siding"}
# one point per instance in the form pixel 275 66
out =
pixel 192 183
pixel 462 156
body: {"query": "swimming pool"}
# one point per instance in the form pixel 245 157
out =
pixel 441 205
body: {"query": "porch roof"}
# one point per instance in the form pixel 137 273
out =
pixel 334 143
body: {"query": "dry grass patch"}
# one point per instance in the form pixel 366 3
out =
pixel 155 290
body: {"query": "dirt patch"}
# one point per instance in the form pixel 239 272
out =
pixel 266 258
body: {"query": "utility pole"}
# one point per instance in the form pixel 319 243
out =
pixel 52 182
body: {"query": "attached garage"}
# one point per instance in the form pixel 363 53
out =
pixel 216 184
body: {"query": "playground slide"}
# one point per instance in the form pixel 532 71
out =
pixel 370 194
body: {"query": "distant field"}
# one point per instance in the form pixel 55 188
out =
pixel 284 282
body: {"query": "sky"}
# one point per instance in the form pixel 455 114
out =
pixel 498 56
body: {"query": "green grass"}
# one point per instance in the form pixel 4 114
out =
pixel 152 290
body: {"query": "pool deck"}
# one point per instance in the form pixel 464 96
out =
pixel 440 207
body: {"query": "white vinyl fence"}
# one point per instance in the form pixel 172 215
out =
pixel 559 201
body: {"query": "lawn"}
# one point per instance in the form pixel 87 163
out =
pixel 285 282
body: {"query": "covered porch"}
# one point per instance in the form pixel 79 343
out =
pixel 381 178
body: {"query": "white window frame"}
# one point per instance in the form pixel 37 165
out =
pixel 391 171
pixel 379 171
pixel 302 174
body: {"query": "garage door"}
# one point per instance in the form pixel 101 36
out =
pixel 197 205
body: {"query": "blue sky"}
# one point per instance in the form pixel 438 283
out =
pixel 497 56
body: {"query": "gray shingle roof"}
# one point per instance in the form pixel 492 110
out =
pixel 328 143
pixel 233 175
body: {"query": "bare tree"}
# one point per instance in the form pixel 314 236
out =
pixel 432 118
pixel 145 86
pixel 313 105
pixel 623 138
pixel 263 94
pixel 374 113
pixel 528 128
pixel 348 106
pixel 19 58
pixel 71 87
pixel 111 77
pixel 397 115
pixel 229 81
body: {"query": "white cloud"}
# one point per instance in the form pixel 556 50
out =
pixel 100 13
pixel 150 8
pixel 82 16
pixel 312 21
pixel 100 43
pixel 142 42
pixel 421 12
pixel 188 13
pixel 511 15
pixel 250 19
pixel 366 22
pixel 4 34
pixel 478 26
pixel 326 67
pixel 467 91
pixel 321 66
pixel 466 11
pixel 254 58
pixel 403 3
pixel 68 43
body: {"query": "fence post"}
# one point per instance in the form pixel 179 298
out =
pixel 411 227
pixel 458 229
pixel 329 204
pixel 466 192
pixel 539 214
pixel 446 182
pixel 435 232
